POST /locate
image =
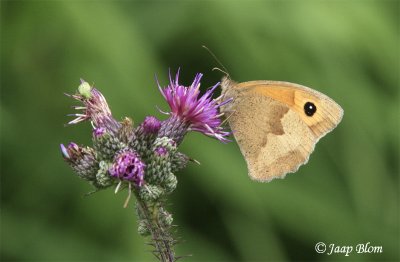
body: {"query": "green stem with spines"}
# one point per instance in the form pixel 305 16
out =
pixel 160 236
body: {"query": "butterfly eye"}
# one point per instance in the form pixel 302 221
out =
pixel 310 109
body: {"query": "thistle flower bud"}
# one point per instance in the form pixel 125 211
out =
pixel 150 193
pixel 165 218
pixel 179 161
pixel 169 182
pixel 81 159
pixel 159 161
pixel 143 228
pixel 106 144
pixel 151 125
pixel 128 166
pixel 103 178
pixel 166 143
pixel 146 132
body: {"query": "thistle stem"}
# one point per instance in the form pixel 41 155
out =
pixel 161 238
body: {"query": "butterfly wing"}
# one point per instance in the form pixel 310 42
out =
pixel 269 123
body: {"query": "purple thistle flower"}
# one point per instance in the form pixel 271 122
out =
pixel 128 166
pixel 161 151
pixel 192 111
pixel 95 108
pixel 151 125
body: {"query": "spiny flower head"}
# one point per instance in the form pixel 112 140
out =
pixel 199 112
pixel 95 108
pixel 73 152
pixel 128 166
pixel 81 159
pixel 151 125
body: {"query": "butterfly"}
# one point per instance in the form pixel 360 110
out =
pixel 277 124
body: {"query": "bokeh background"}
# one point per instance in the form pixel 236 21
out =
pixel 347 194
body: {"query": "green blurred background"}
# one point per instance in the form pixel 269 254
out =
pixel 347 194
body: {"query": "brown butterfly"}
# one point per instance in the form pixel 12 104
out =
pixel 277 124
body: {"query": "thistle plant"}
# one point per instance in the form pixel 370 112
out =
pixel 144 159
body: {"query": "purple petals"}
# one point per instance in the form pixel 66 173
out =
pixel 151 125
pixel 99 131
pixel 200 111
pixel 128 166
pixel 161 151
pixel 95 108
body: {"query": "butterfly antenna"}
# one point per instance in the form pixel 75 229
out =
pixel 225 71
pixel 219 69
